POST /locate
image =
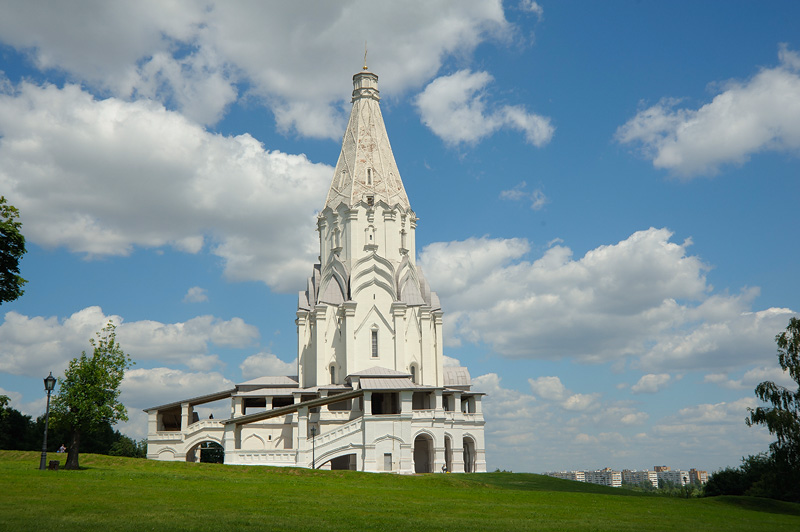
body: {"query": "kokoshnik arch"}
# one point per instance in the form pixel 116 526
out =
pixel 371 392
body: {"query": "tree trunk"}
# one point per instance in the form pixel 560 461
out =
pixel 72 452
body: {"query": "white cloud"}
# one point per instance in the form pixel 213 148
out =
pixel 143 388
pixel 451 362
pixel 518 192
pixel 195 295
pixel 28 344
pixel 266 364
pixel 103 176
pixel 454 108
pixel 748 117
pixel 549 388
pixel 644 298
pixel 197 56
pixel 526 434
pixel 751 378
pixel 532 7
pixel 651 383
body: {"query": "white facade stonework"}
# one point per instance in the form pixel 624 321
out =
pixel 371 391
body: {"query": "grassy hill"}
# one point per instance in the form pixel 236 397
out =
pixel 132 494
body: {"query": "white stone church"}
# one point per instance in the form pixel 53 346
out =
pixel 371 391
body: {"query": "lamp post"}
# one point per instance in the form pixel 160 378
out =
pixel 49 384
pixel 313 447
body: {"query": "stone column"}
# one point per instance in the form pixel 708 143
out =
pixel 427 366
pixel 438 347
pixel 349 331
pixel 367 404
pixel 302 344
pixel 399 315
pixel 152 422
pixel 303 453
pixel 186 415
pixel 320 347
pixel 237 406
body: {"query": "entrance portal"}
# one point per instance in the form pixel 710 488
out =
pixel 423 454
pixel 469 455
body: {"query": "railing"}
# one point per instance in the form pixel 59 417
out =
pixel 335 415
pixel 270 457
pixel 422 414
pixel 203 424
pixel 328 438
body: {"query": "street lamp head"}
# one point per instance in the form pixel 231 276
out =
pixel 49 383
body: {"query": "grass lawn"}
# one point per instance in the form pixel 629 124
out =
pixel 113 494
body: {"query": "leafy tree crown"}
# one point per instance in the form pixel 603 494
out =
pixel 89 391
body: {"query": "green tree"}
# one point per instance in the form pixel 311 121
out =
pixel 12 247
pixel 16 429
pixel 89 392
pixel 782 419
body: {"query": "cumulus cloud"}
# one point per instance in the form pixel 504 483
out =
pixel 143 388
pixel 103 176
pixel 651 383
pixel 538 432
pixel 551 389
pixel 747 117
pixel 28 344
pixel 198 56
pixel 454 107
pixel 532 7
pixel 266 364
pixel 518 193
pixel 195 295
pixel 644 298
pixel 751 378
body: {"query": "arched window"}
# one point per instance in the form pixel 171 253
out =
pixel 414 374
pixel 369 176
pixel 374 343
pixel 333 374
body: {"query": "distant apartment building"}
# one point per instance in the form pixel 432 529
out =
pixel 676 477
pixel 568 475
pixel 609 477
pixel 604 477
pixel 697 476
pixel 639 477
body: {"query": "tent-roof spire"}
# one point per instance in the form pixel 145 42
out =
pixel 366 170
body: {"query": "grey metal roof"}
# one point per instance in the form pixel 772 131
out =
pixel 262 392
pixel 377 371
pixel 272 381
pixel 456 376
pixel 387 384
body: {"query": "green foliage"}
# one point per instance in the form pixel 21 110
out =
pixel 728 481
pixel 20 432
pixel 124 494
pixel 125 446
pixel 782 419
pixel 88 395
pixel 12 247
pixel 760 475
pixel 16 429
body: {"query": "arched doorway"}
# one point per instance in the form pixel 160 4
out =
pixel 346 462
pixel 423 454
pixel 448 453
pixel 469 455
pixel 208 451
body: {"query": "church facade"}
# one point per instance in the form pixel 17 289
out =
pixel 371 392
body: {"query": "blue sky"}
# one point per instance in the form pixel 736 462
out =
pixel 607 194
